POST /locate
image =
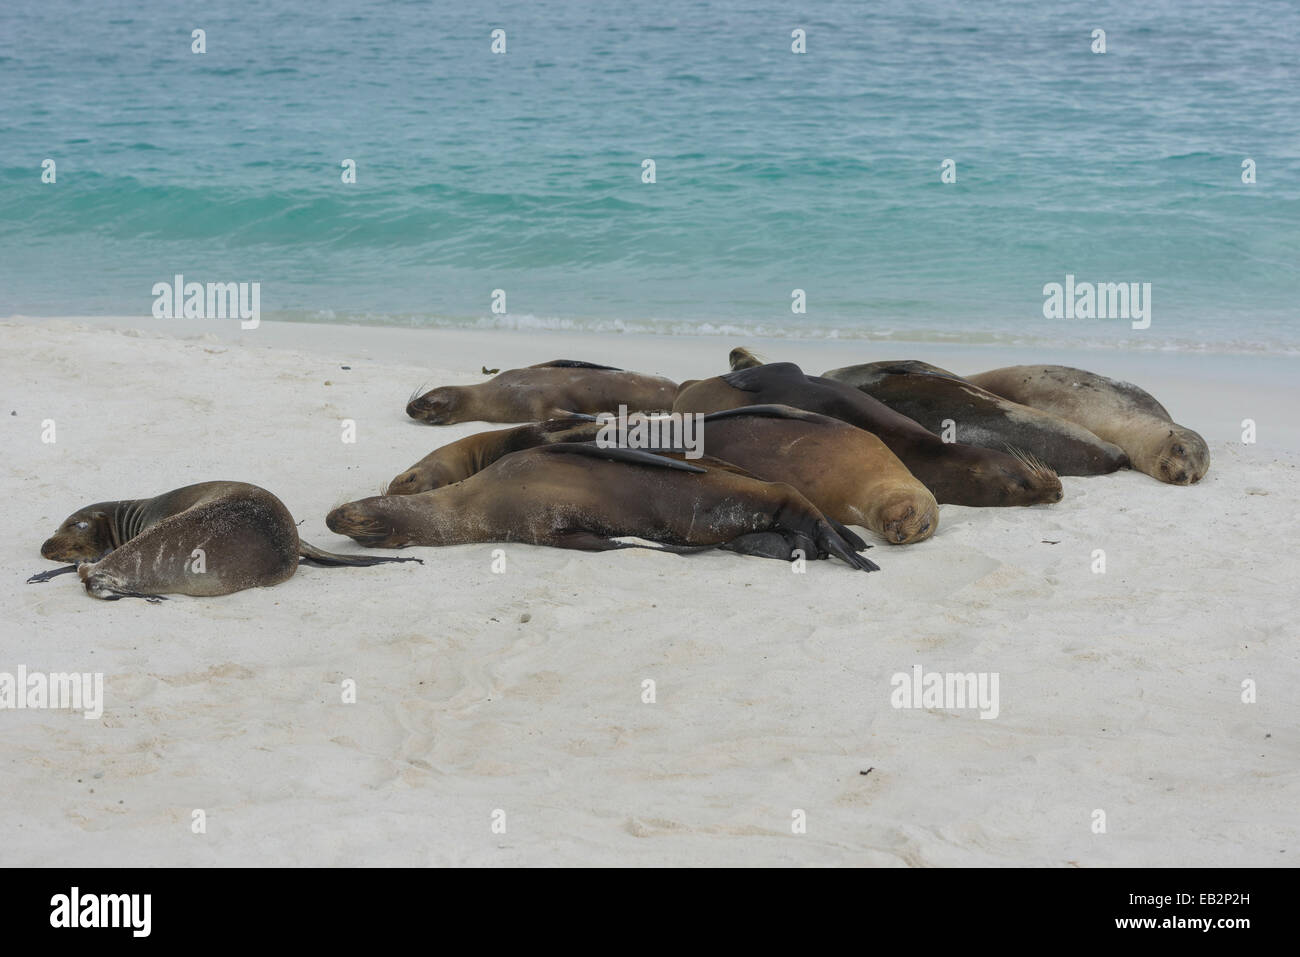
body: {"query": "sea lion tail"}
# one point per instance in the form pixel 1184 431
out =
pixel 311 555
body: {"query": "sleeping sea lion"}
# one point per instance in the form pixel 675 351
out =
pixel 955 473
pixel 462 458
pixel 544 391
pixel 582 496
pixel 213 538
pixel 1118 412
pixel 847 473
pixel 933 396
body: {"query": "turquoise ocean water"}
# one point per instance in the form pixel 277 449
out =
pixel 774 170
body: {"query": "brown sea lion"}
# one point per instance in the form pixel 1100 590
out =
pixel 955 473
pixel 1116 411
pixel 934 396
pixel 213 538
pixel 582 496
pixel 462 458
pixel 847 473
pixel 545 391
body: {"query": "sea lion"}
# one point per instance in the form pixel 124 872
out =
pixel 955 473
pixel 849 474
pixel 582 496
pixel 462 458
pixel 212 538
pixel 931 395
pixel 1115 411
pixel 543 391
pixel 845 471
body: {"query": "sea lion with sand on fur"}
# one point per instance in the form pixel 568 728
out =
pixel 581 496
pixel 931 396
pixel 544 391
pixel 954 473
pixel 145 548
pixel 1116 411
pixel 849 474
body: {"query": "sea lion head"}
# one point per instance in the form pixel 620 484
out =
pixel 1019 479
pixel 370 521
pixel 1181 457
pixel 907 516
pixel 436 406
pixel 413 480
pixel 84 536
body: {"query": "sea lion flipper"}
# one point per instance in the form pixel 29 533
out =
pixel 52 573
pixel 828 540
pixel 630 456
pixel 760 545
pixel 311 555
pixel 850 536
pixel 118 595
pixel 768 411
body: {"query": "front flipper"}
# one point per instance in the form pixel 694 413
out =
pixel 52 573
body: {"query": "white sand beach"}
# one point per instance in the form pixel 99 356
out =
pixel 521 692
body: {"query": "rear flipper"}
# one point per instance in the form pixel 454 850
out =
pixel 830 542
pixel 118 595
pixel 784 544
pixel 848 535
pixel 311 555
pixel 52 573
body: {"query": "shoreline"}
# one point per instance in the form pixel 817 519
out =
pixel 1212 393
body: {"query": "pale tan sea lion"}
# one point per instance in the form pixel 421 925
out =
pixel 1118 412
pixel 934 396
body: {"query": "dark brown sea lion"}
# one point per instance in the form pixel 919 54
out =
pixel 955 473
pixel 1116 411
pixel 213 538
pixel 847 473
pixel 583 496
pixel 933 396
pixel 545 391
